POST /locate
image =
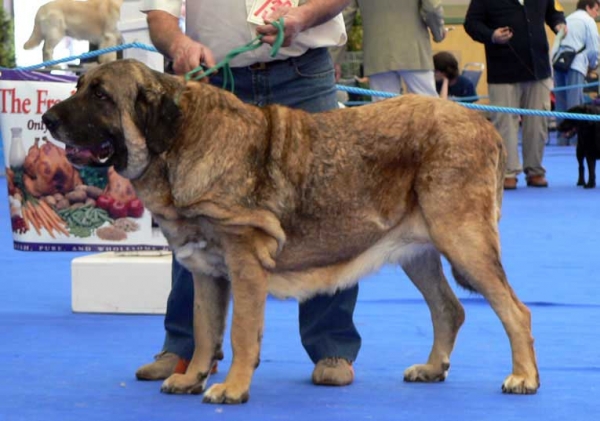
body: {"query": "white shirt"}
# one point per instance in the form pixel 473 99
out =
pixel 222 26
pixel 581 30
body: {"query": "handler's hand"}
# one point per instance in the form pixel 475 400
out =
pixel 188 54
pixel 293 21
pixel 560 26
pixel 502 35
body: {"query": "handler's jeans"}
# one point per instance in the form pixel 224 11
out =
pixel 326 325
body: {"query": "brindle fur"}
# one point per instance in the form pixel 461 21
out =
pixel 281 201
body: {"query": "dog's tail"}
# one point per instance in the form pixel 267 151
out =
pixel 36 36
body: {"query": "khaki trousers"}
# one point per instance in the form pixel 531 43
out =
pixel 533 95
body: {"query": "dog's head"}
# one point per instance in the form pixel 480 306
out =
pixel 569 127
pixel 122 114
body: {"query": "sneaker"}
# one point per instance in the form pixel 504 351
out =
pixel 510 183
pixel 333 372
pixel 163 366
pixel 537 181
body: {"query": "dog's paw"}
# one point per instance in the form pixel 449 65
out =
pixel 520 385
pixel 581 182
pixel 590 186
pixel 226 393
pixel 184 384
pixel 426 373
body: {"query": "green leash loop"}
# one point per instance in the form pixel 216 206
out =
pixel 224 64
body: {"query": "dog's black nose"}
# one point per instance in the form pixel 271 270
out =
pixel 50 121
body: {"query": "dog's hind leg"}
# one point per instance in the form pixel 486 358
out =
pixel 447 314
pixel 461 213
pixel 211 298
pixel 591 163
pixel 579 153
pixel 54 30
pixel 470 242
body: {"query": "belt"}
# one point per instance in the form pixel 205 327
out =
pixel 266 65
pixel 310 54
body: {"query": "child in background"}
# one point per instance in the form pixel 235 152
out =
pixel 448 81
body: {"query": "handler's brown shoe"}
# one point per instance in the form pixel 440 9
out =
pixel 333 372
pixel 537 181
pixel 163 366
pixel 510 183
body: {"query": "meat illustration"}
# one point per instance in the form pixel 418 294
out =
pixel 47 170
pixel 119 188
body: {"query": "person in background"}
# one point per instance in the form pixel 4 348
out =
pixel 518 75
pixel 397 44
pixel 448 81
pixel 583 33
pixel 338 53
pixel 300 76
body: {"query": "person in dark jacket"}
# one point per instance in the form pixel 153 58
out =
pixel 518 74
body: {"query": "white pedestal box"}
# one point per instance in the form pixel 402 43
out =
pixel 133 283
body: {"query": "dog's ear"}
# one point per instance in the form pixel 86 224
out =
pixel 157 117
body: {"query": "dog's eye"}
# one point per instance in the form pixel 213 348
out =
pixel 100 94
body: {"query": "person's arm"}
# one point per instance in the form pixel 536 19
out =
pixel 475 25
pixel 444 89
pixel 592 44
pixel 298 19
pixel 555 19
pixel 167 37
pixel 338 53
pixel 432 14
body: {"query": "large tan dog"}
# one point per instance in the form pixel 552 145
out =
pixel 257 200
pixel 91 20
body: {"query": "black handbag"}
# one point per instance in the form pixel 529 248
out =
pixel 562 59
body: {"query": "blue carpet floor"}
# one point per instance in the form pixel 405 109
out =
pixel 60 366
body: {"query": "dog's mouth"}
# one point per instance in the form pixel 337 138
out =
pixel 96 156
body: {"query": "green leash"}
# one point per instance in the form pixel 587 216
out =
pixel 224 64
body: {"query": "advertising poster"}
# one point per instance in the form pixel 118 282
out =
pixel 55 206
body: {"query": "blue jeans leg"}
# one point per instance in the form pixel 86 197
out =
pixel 179 329
pixel 326 325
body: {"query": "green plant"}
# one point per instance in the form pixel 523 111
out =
pixel 7 44
pixel 355 37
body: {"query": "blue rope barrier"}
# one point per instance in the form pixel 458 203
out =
pixel 468 98
pixel 350 89
pixel 480 107
pixel 363 91
pixel 91 54
pixel 584 85
pixel 538 113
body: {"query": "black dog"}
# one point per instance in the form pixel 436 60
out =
pixel 588 142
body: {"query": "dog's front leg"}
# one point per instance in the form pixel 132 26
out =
pixel 249 287
pixel 109 40
pixel 211 298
